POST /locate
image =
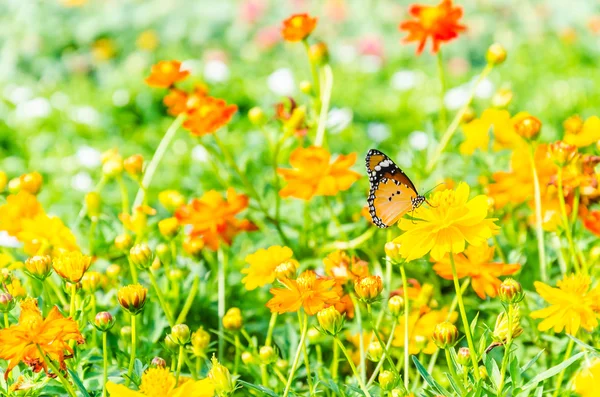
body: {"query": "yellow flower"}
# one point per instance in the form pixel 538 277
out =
pixel 583 133
pixel 223 383
pixel 421 328
pixel 147 40
pixel 71 266
pixel 501 126
pixel 572 305
pixel 15 288
pixel 18 208
pixel 585 382
pixel 160 382
pixel 263 264
pixel 46 235
pixel 446 225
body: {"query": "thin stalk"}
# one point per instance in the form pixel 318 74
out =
pixel 463 314
pixel 406 324
pixel 361 383
pixel 561 375
pixel 132 271
pixel 58 292
pixel 507 346
pixel 385 354
pixel 73 288
pixel 92 235
pixel 161 299
pixel 133 346
pixel 383 345
pixel 565 218
pixel 124 196
pixel 55 369
pixel 538 218
pixel 6 323
pixel 179 364
pixel 105 362
pixel 189 301
pixel 326 98
pixel 335 361
pixel 221 305
pixel 272 323
pixel 361 341
pixel 442 76
pixel 288 384
pixel 314 72
pixel 156 159
pixel 452 369
pixel 306 358
pixel 238 352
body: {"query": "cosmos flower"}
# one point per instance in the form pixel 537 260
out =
pixel 18 208
pixel 494 123
pixel 45 234
pixel 166 73
pixel 582 133
pixel 438 23
pixel 298 27
pixel 208 115
pixel 262 265
pixel 477 263
pixel 160 382
pixel 573 305
pixel 585 381
pixel 313 174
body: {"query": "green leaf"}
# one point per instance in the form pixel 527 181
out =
pixel 78 383
pixel 552 371
pixel 513 369
pixel 259 388
pixel 584 345
pixel 474 324
pixel 429 379
pixel 532 361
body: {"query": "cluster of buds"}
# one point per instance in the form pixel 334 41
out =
pixel 368 288
pixel 330 321
pixel 232 321
pixel 445 335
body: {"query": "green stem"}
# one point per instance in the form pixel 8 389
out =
pixel 133 346
pixel 306 358
pixel 221 305
pixel 361 342
pixel 507 346
pixel 105 362
pixel 538 218
pixel 238 352
pixel 179 364
pixel 57 291
pixel 73 288
pixel 124 196
pixel 361 383
pixel 272 323
pixel 296 360
pixel 561 375
pixel 6 323
pixel 383 344
pixel 565 217
pixel 452 369
pixel 406 324
pixel 335 361
pixel 463 314
pixel 161 299
pixel 326 98
pixel 92 236
pixel 189 301
pixel 156 159
pixel 442 75
pixel 385 355
pixel 55 369
pixel 456 121
pixel 314 73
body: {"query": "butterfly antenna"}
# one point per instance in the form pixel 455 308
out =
pixel 433 188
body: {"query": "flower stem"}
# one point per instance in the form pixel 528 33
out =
pixel 507 346
pixel 561 375
pixel 406 324
pixel 238 352
pixel 179 364
pixel 361 383
pixel 296 360
pixel 6 323
pixel 451 368
pixel 124 196
pixel 328 79
pixel 189 301
pixel 133 345
pixel 565 217
pixel 306 358
pixel 221 305
pixel 105 362
pixel 538 218
pixel 335 362
pixel 463 314
pixel 314 73
pixel 55 369
pixel 161 298
pixel 272 323
pixel 132 271
pixel 442 75
pixel 456 121
pixel 57 291
pixel 156 159
pixel 385 355
pixel 361 341
pixel 73 288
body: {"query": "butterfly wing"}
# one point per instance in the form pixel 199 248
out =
pixel 392 193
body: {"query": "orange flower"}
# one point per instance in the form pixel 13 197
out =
pixel 343 268
pixel 314 175
pixel 23 342
pixel 208 115
pixel 18 208
pixel 476 263
pixel 308 290
pixel 166 73
pixel 214 219
pixel 298 27
pixel 440 23
pixel 176 101
pixel 592 222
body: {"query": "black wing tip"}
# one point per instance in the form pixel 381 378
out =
pixel 371 152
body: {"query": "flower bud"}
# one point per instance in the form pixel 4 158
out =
pixel 200 342
pixel 104 321
pixel 330 320
pixel 375 351
pixel 468 115
pixel 502 98
pixel 392 251
pixel 501 330
pixel 496 54
pixel 91 281
pixel 170 344
pixel 168 227
pixel 193 246
pixel 306 87
pixel 7 302
pixel 92 205
pixel 158 362
pixel 396 305
pixel 14 185
pixel 171 199
pixel 232 321
pixel 420 342
pixel 483 372
pixel 248 358
pixel 463 356
pixel 31 182
pixel 180 334
pixel 510 291
pixel 221 378
pixel 163 252
pixel 71 266
pixel 113 271
pixel 445 335
pixel 112 167
pixel 123 242
pixel 39 266
pixel 387 380
pixel 134 165
pixel 573 125
pixel 175 274
pixel 368 288
pixel 562 153
pixel 282 364
pixel 141 255
pixel 132 298
pixel 257 116
pixel 268 355
pixel 318 53
pixel 286 269
pixel 528 127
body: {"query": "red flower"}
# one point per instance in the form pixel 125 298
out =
pixel 166 73
pixel 208 115
pixel 440 23
pixel 592 222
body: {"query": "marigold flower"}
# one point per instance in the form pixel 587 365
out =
pixel 585 381
pixel 71 266
pixel 572 305
pixel 208 116
pixel 476 262
pixel 446 225
pixel 368 288
pixel 17 209
pixel 582 133
pixel 298 27
pixel 308 290
pixel 166 73
pixel 34 335
pixel 132 298
pixel 314 175
pixel 160 382
pixel 439 23
pixel 262 266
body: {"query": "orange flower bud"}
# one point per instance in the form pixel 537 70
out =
pixel 445 335
pixel 573 125
pixel 298 27
pixel 166 73
pixel 510 291
pixel 496 54
pixel 368 288
pixel 31 183
pixel 562 153
pixel 132 298
pixel 528 127
pixel 134 165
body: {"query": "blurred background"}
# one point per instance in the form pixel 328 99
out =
pixel 72 79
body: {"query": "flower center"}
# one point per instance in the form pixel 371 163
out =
pixel 430 17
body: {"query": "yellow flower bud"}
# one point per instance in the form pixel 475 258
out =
pixel 168 227
pixel 501 330
pixel 14 185
pixel 387 380
pixel 141 255
pixel 134 165
pixel 232 321
pixel 200 342
pixel 180 334
pixel 221 378
pixel 31 182
pixel 573 125
pixel 528 127
pixel 295 120
pixel 112 168
pixel 282 364
pixel 248 358
pixel 368 288
pixel 92 205
pixel 163 252
pixel 257 116
pixel 113 271
pixel 268 355
pixel 511 291
pixel 193 246
pixel 306 87
pixel 463 356
pixel 170 344
pixel 330 320
pixel 318 53
pixel 375 351
pixel 468 115
pixel 396 305
pixel 39 266
pixel 314 336
pixel 123 242
pixel 71 266
pixel 286 270
pixel 91 281
pixel 496 54
pixel 483 372
pixel 392 251
pixel 132 298
pixel 171 199
pixel 445 335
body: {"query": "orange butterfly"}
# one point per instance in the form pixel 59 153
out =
pixel 392 193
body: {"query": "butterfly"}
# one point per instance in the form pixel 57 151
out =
pixel 392 193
